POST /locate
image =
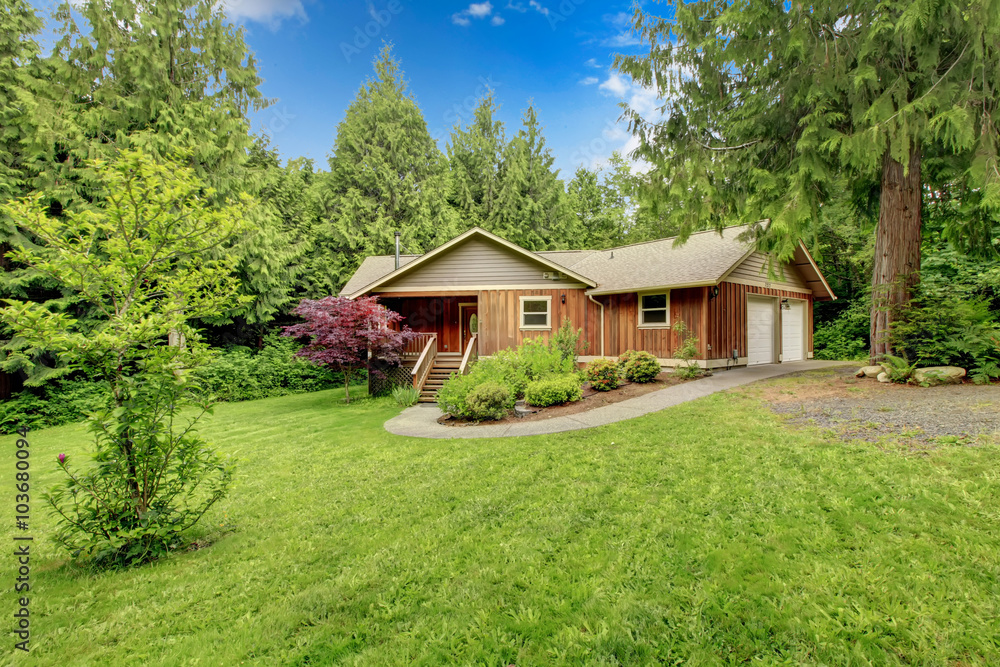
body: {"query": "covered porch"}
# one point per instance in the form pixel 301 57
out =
pixel 448 327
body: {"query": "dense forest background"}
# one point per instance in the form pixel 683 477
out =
pixel 177 80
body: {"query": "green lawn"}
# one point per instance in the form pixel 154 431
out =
pixel 707 534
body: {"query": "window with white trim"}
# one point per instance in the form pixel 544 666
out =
pixel 654 310
pixel 536 312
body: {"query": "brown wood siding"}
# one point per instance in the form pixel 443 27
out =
pixel 432 315
pixel 500 311
pixel 475 264
pixel 753 270
pixel 622 329
pixel 727 314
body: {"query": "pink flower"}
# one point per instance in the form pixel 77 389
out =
pixel 62 459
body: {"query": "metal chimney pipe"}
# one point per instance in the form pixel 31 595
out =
pixel 397 250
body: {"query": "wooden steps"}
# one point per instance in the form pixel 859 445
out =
pixel 445 364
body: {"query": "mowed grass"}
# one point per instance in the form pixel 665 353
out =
pixel 705 534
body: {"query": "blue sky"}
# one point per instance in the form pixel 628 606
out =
pixel 314 55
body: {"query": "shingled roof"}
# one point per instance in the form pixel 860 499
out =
pixel 704 259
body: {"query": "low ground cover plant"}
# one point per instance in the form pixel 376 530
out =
pixel 554 390
pixel 639 366
pixel 405 396
pixel 603 374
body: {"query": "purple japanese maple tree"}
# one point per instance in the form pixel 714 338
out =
pixel 342 331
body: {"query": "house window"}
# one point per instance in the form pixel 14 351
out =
pixel 536 312
pixel 654 310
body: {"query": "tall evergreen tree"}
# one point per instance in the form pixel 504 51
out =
pixel 475 156
pixel 598 208
pixel 532 210
pixel 386 175
pixel 272 252
pixel 170 77
pixel 773 106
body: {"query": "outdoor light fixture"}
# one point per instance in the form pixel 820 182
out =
pixel 564 299
pixel 714 292
pixel 785 305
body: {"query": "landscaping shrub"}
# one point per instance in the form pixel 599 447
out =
pixel 182 478
pixel 625 357
pixel 941 328
pixel 639 366
pixel 540 359
pixel 603 374
pixel 554 390
pixel 567 339
pixel 687 352
pixel 56 403
pixel 405 396
pixel 241 374
pixel 489 400
pixel 452 395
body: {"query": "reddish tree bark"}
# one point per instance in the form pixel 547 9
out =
pixel 897 247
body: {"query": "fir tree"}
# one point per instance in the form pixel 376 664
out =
pixel 475 156
pixel 386 175
pixel 772 107
pixel 171 77
pixel 532 210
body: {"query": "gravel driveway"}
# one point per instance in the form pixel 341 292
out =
pixel 868 410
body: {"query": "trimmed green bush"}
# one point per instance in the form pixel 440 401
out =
pixel 625 357
pixel 641 367
pixel 554 390
pixel 489 400
pixel 603 374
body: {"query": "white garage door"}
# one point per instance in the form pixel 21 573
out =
pixel 792 331
pixel 760 331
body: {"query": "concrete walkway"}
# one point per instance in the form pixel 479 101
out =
pixel 420 421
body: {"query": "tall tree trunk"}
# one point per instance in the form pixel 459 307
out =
pixel 897 247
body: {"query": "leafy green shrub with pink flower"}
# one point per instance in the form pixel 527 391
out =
pixel 603 374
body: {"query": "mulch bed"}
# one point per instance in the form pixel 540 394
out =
pixel 591 399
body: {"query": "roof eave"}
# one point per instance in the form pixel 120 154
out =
pixel 475 231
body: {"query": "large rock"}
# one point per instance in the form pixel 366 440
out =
pixel 939 375
pixel 883 376
pixel 869 371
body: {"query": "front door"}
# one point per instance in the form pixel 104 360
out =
pixel 470 323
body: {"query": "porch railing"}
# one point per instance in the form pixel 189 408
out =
pixel 471 352
pixel 425 362
pixel 416 345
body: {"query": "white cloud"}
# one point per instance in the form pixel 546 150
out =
pixel 622 23
pixel 537 6
pixel 476 10
pixel 592 63
pixel 497 20
pixel 589 81
pixel 517 6
pixel 271 12
pixel 480 10
pixel 626 38
pixel 616 85
pixel 615 136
